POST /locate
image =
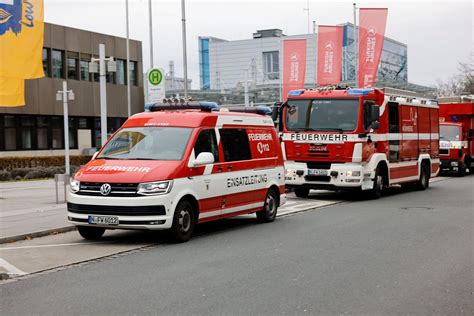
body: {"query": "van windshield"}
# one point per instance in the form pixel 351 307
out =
pixel 338 115
pixel 147 143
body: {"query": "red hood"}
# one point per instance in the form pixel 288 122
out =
pixel 128 171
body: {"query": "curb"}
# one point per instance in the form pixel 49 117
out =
pixel 42 233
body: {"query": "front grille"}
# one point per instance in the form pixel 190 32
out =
pixel 116 210
pixel 118 189
pixel 318 178
pixel 444 151
pixel 319 165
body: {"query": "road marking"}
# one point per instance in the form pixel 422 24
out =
pixel 11 269
pixel 59 245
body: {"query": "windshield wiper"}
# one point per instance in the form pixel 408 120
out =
pixel 336 129
pixel 108 158
pixel 303 129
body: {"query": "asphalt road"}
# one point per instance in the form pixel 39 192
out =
pixel 407 253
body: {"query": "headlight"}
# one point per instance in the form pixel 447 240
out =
pixel 75 185
pixel 351 173
pixel 154 188
pixel 289 173
pixel 456 147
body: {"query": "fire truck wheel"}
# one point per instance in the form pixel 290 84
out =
pixel 90 233
pixel 462 171
pixel 183 222
pixel 302 193
pixel 424 181
pixel 376 191
pixel 270 207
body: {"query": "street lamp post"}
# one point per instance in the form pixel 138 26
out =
pixel 185 58
pixel 65 95
pixel 111 66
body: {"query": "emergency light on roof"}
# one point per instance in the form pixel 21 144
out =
pixel 194 105
pixel 354 91
pixel 261 109
pixel 295 93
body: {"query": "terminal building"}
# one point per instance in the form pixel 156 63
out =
pixel 37 128
pixel 224 66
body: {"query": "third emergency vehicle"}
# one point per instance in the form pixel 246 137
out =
pixel 456 134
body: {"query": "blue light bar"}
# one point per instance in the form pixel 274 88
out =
pixel 209 106
pixel 295 93
pixel 353 91
pixel 148 106
pixel 265 110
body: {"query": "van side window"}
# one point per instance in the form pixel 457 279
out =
pixel 235 143
pixel 207 142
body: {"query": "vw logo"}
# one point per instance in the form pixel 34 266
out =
pixel 105 189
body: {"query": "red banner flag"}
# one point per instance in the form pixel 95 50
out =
pixel 329 54
pixel 294 65
pixel 371 36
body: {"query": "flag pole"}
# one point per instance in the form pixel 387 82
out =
pixel 356 48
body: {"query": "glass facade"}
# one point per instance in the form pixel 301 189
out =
pixel 271 65
pixel 204 67
pixel 393 62
pixel 58 56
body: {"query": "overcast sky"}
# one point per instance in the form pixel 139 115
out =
pixel 439 34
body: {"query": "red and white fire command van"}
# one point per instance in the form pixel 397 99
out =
pixel 363 139
pixel 456 116
pixel 176 166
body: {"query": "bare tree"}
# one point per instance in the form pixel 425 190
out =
pixel 461 83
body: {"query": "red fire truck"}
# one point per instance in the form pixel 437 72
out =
pixel 456 115
pixel 359 139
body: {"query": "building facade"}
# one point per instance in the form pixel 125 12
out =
pixel 225 64
pixel 37 128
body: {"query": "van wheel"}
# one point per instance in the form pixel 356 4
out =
pixel 424 181
pixel 270 208
pixel 183 222
pixel 90 233
pixel 302 193
pixel 376 192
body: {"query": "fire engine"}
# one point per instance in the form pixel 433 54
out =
pixel 358 139
pixel 456 116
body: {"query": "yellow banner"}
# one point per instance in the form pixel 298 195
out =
pixel 21 38
pixel 12 91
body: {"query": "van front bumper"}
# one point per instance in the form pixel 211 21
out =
pixel 148 212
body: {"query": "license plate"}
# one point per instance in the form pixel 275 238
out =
pixel 317 172
pixel 103 220
pixel 317 148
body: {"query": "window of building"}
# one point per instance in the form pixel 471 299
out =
pixel 120 71
pixel 207 142
pixel 57 57
pixel 27 125
pixel 10 132
pixel 271 65
pixel 46 62
pixel 72 132
pixel 133 73
pixel 42 132
pixel 57 132
pixel 235 143
pixel 84 65
pixel 96 75
pixel 72 60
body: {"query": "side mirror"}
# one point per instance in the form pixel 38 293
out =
pixel 375 125
pixel 204 158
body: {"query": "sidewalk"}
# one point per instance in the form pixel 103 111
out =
pixel 29 208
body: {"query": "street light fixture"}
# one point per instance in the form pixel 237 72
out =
pixel 66 95
pixel 111 67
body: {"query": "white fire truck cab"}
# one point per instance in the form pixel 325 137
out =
pixel 358 139
pixel 176 166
